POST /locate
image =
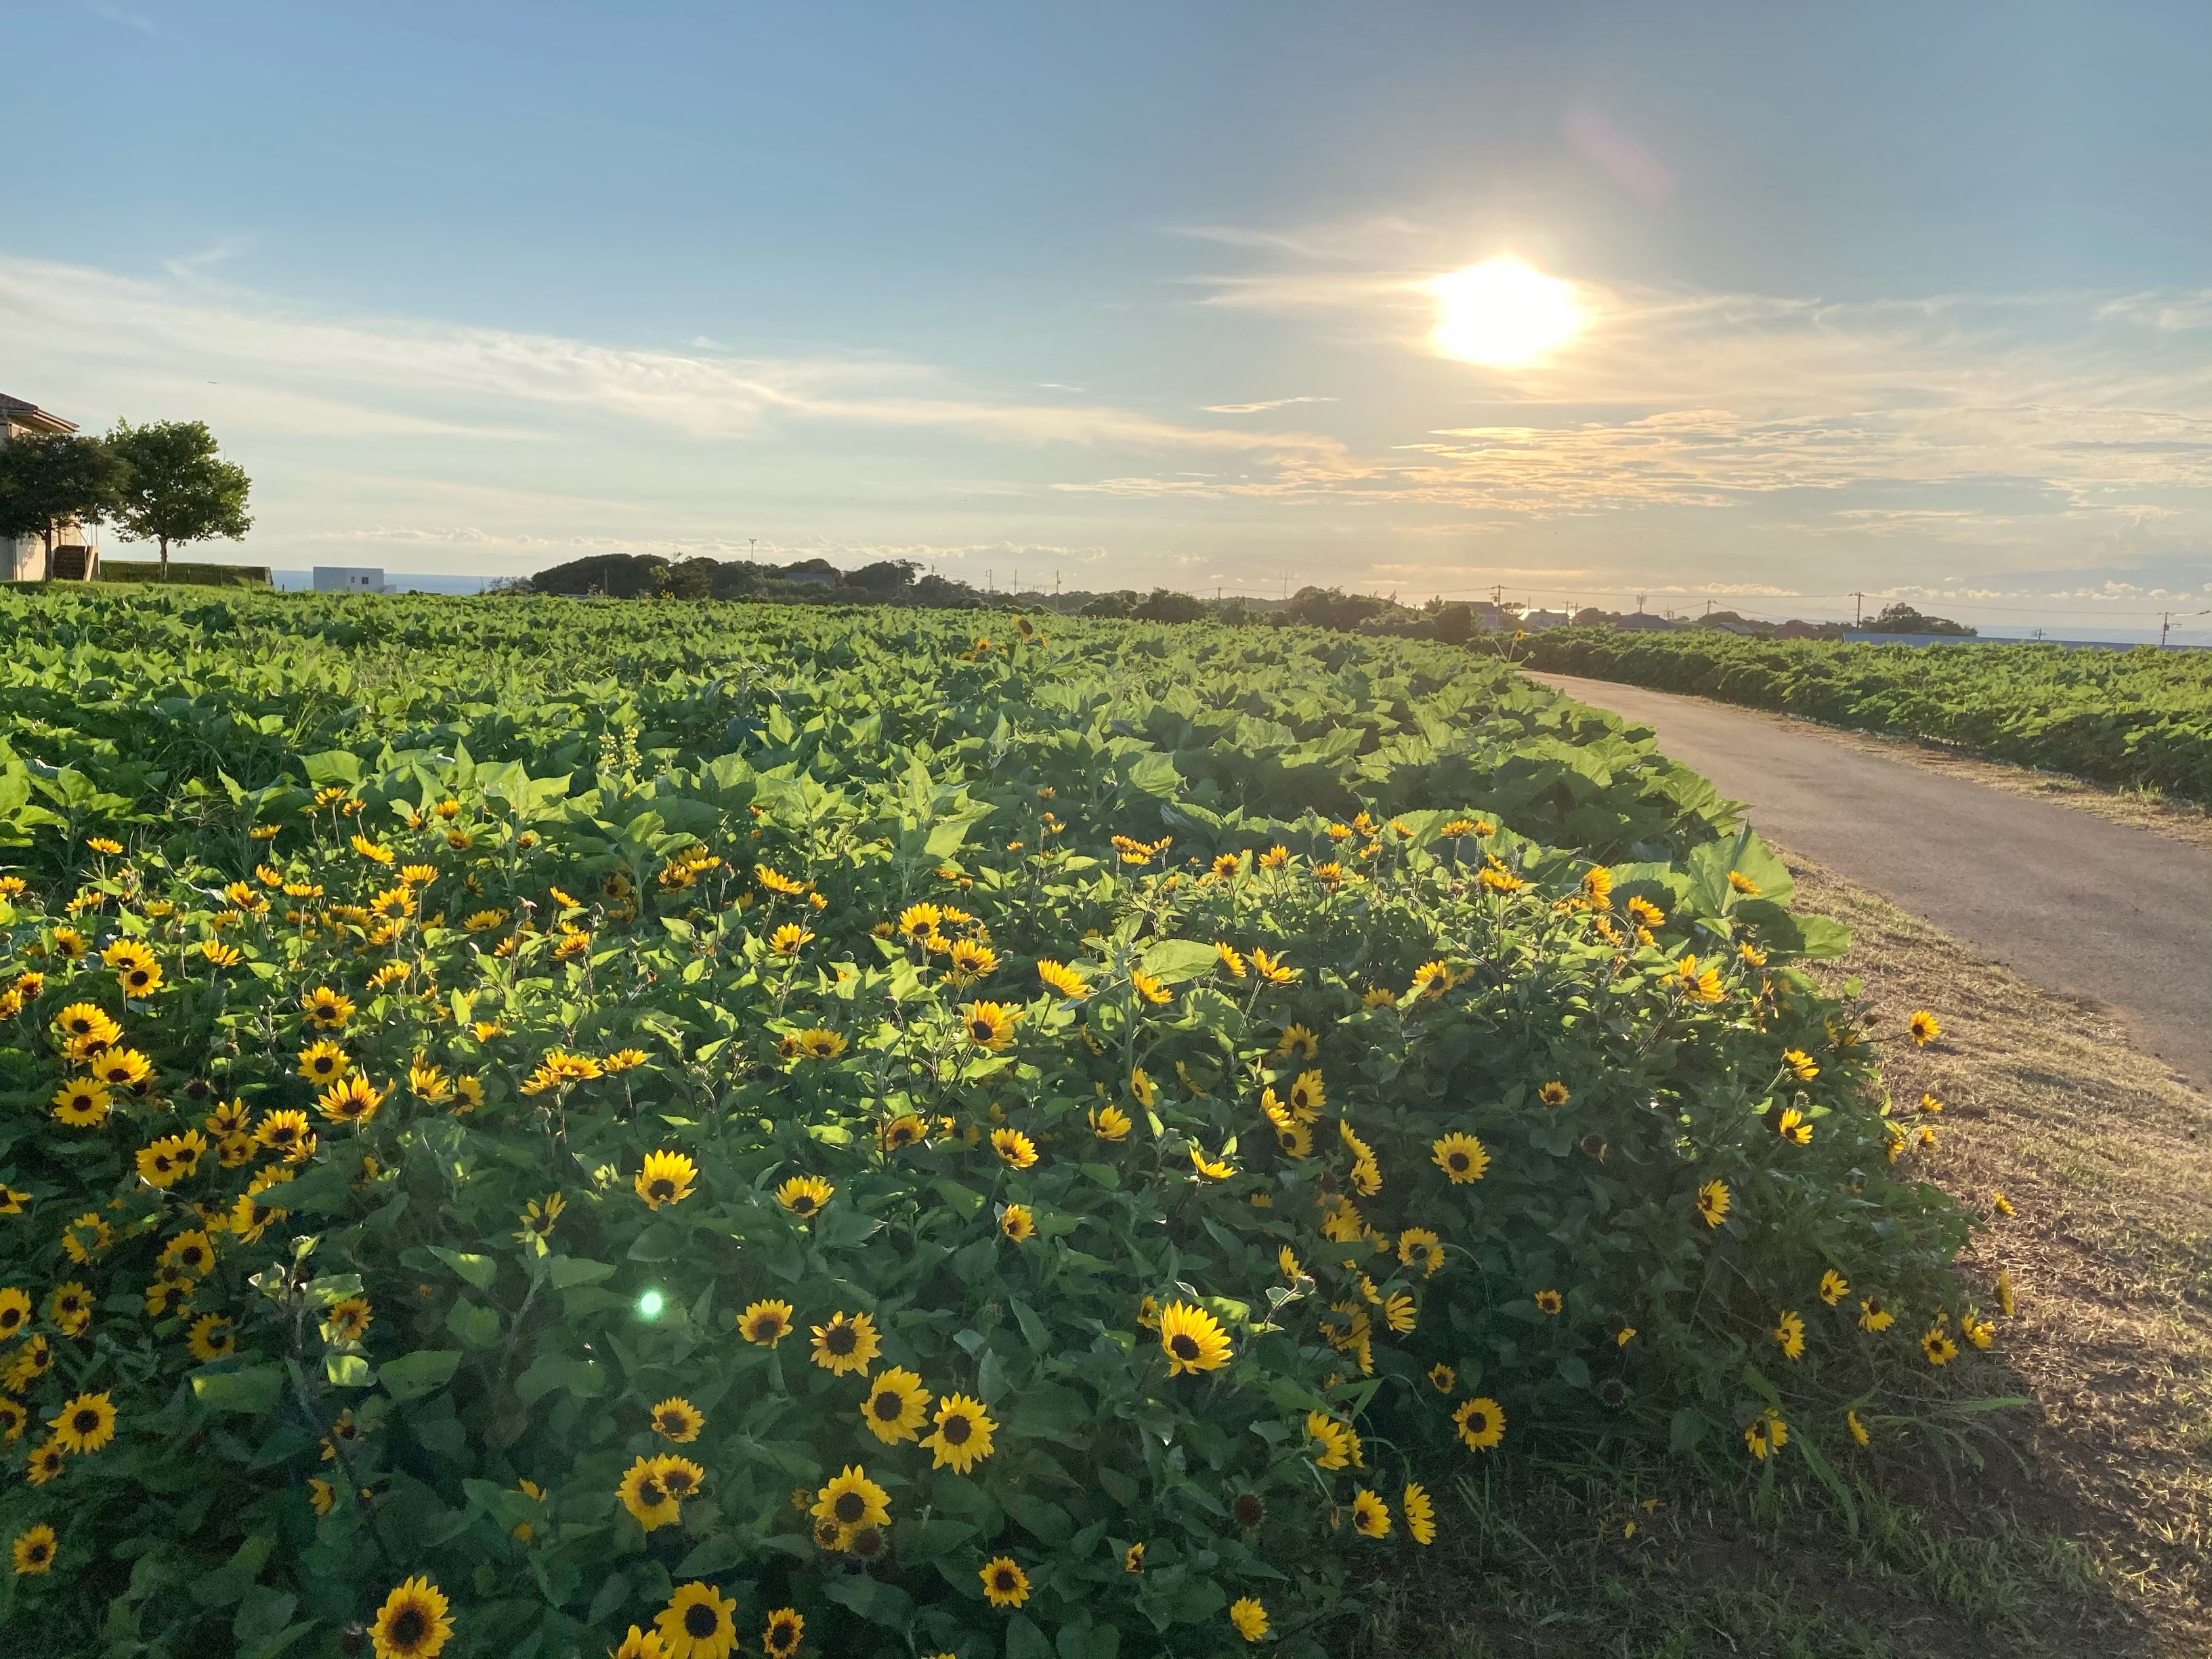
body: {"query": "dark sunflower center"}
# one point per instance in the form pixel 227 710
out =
pixel 1004 1579
pixel 650 1492
pixel 407 1628
pixel 888 1406
pixel 664 1188
pixel 956 1431
pixel 1249 1511
pixel 701 1621
pixel 1184 1346
pixel 1459 1160
pixel 37 1552
pixel 670 1422
pixel 803 1203
pixel 764 1328
pixel 676 1482
pixel 979 1028
pixel 849 1507
pixel 841 1339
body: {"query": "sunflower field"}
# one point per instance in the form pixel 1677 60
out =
pixel 538 1129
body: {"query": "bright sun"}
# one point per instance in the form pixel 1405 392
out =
pixel 1503 312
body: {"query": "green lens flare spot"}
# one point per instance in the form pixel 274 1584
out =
pixel 650 1305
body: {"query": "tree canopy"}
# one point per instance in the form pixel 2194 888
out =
pixel 178 489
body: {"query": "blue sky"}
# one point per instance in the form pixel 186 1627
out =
pixel 1913 300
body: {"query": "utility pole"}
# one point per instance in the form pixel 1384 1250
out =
pixel 1640 604
pixel 1858 610
pixel 1709 607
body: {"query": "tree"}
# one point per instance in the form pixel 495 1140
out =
pixel 1902 619
pixel 180 488
pixel 1165 605
pixel 48 482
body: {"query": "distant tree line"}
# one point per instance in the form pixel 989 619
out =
pixel 906 583
pixel 167 482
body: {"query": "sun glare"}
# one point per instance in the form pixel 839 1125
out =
pixel 1503 312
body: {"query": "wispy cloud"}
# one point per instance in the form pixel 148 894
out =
pixel 1254 409
pixel 291 368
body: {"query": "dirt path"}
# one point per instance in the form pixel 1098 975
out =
pixel 2068 900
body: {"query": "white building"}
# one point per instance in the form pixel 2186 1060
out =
pixel 349 579
pixel 76 548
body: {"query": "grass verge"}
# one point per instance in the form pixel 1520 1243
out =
pixel 2077 1524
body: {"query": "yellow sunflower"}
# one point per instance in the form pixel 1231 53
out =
pixel 1111 1123
pixel 1005 1584
pixel 677 1419
pixel 1016 1222
pixel 412 1623
pixel 16 1306
pixel 348 1320
pixel 781 1639
pixel 666 1178
pixel 1250 1615
pixel 287 1134
pixel 846 1343
pixel 1371 1515
pixel 81 1103
pixel 324 1061
pixel 851 1499
pixel 804 1194
pixel 70 1308
pixel 46 1460
pixel 135 968
pixel 902 1131
pixel 1834 1288
pixel 1420 1514
pixel 1713 1202
pixel 1059 976
pixel 962 1438
pixel 897 1406
pixel 1192 1339
pixel 86 1023
pixel 1481 1423
pixel 989 1024
pixel 1924 1028
pixel 765 1323
pixel 33 1549
pixel 85 1424
pixel 325 1009
pixel 650 1504
pixel 1461 1157
pixel 1015 1149
pixel 820 1043
pixel 211 1338
pixel 352 1100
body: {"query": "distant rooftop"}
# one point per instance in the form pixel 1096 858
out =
pixel 19 413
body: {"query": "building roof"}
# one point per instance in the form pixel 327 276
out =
pixel 16 412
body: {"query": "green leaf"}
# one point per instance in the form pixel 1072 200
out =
pixel 254 1389
pixel 346 1370
pixel 877 1602
pixel 567 1271
pixel 1024 1640
pixel 478 1270
pixel 582 1377
pixel 1178 960
pixel 414 1375
pixel 476 1326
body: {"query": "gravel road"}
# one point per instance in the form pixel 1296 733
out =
pixel 2069 900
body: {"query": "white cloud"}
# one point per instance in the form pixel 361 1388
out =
pixel 290 369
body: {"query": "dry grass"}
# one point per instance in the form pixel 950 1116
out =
pixel 2076 1524
pixel 2107 1160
